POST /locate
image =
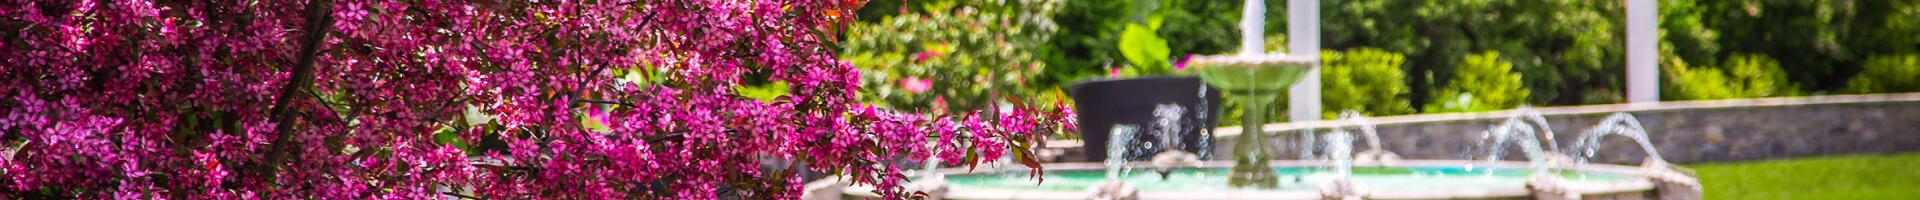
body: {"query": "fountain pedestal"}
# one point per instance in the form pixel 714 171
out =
pixel 1250 162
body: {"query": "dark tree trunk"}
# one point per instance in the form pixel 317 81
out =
pixel 319 18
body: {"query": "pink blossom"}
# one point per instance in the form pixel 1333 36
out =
pixel 916 85
pixel 1182 63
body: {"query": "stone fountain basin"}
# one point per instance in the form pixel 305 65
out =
pixel 1405 179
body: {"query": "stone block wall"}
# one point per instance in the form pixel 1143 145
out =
pixel 1683 132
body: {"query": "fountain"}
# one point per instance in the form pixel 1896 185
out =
pixel 1671 181
pixel 1339 150
pixel 1252 80
pixel 1114 187
pixel 1253 172
pixel 1526 128
pixel 1116 156
pixel 1529 128
pixel 1618 124
pixel 1342 173
pixel 1375 154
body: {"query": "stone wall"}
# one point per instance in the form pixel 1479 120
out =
pixel 1683 132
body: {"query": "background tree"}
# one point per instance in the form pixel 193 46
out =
pixel 1818 43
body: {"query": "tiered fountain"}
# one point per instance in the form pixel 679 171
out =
pixel 1252 80
pixel 1328 167
pixel 1338 172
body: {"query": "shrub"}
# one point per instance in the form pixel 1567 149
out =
pixel 1743 76
pixel 1483 82
pixel 1896 73
pixel 1368 80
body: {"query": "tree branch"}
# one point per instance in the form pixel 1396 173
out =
pixel 460 195
pixel 319 21
pixel 597 101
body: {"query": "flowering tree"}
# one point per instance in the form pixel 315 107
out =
pixel 355 99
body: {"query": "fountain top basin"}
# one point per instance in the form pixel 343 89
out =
pixel 1264 74
pixel 1408 179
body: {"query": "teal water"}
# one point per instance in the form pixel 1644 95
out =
pixel 1292 178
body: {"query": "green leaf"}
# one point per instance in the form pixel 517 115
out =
pixel 449 136
pixel 1144 48
pixel 764 93
pixel 593 125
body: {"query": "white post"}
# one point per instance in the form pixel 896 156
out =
pixel 1303 39
pixel 1643 51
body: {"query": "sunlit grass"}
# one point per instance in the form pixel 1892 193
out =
pixel 1892 176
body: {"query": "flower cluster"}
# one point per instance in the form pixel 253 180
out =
pixel 433 99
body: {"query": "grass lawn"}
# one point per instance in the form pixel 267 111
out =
pixel 1892 176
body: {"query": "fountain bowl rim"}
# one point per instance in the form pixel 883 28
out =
pixel 1636 182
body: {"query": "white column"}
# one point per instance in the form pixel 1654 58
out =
pixel 1303 39
pixel 1643 53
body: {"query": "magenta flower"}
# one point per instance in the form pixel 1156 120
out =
pixel 1182 64
pixel 916 85
pixel 598 114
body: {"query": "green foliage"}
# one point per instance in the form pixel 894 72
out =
pixel 1089 39
pixel 1895 73
pixel 1085 44
pixel 1570 50
pixel 1146 51
pixel 1276 43
pixel 1367 80
pixel 766 92
pixel 969 51
pixel 1818 43
pixel 1744 76
pixel 1210 27
pixel 1484 82
pixel 1684 33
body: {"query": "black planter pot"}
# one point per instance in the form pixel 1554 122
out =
pixel 1103 103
